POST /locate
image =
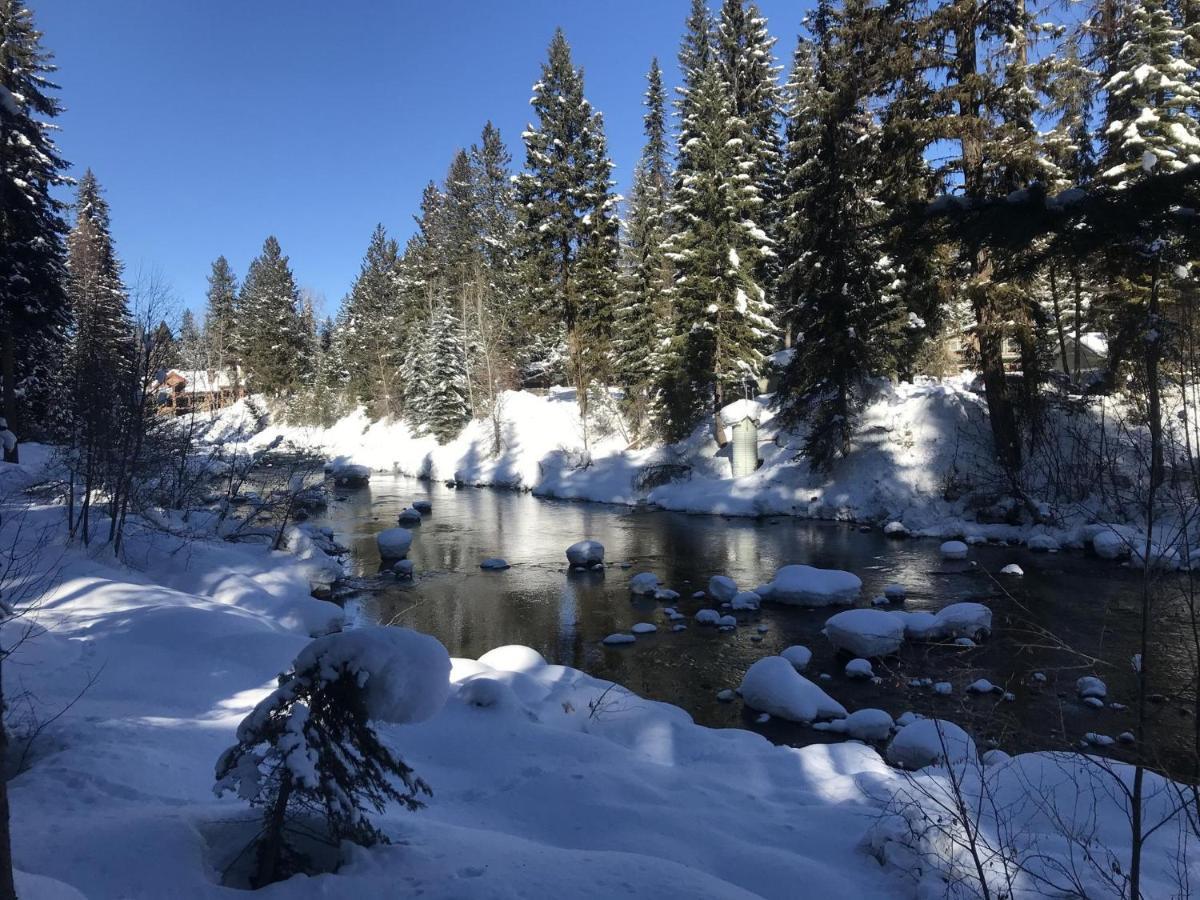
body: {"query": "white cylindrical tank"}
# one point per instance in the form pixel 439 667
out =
pixel 743 417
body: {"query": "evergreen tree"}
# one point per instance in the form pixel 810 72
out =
pixel 34 311
pixel 190 346
pixel 567 217
pixel 220 317
pixel 644 314
pixel 271 335
pixel 1152 124
pixel 445 409
pixel 369 329
pixel 695 52
pixel 722 323
pixel 847 324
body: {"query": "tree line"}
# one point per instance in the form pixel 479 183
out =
pixel 828 214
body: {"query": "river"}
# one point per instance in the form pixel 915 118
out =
pixel 1066 608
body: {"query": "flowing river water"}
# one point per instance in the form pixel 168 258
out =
pixel 1069 615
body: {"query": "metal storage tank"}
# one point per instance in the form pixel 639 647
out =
pixel 743 417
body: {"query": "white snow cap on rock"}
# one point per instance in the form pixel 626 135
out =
pixel 862 725
pixel 494 562
pixel 643 583
pixel 798 655
pixel 971 620
pixel 1109 544
pixel 585 553
pixel 859 668
pixel 742 409
pixel 708 617
pixel 927 742
pixel 869 633
pixel 1012 569
pixel 1091 686
pixel 895 592
pixel 954 550
pixel 895 529
pixel 409 516
pixel 405 674
pixel 394 542
pixel 722 588
pixel 809 586
pixel 619 638
pixel 772 685
pixel 513 658
pixel 745 600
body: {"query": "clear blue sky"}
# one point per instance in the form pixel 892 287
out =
pixel 213 123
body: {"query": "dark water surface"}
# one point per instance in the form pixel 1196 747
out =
pixel 1085 604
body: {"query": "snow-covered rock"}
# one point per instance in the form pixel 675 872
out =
pixel 350 475
pixel 617 639
pixel 708 617
pixel 859 668
pixel 927 742
pixel 862 725
pixel 895 592
pixel 1091 686
pixel 393 543
pixel 1012 569
pixel 800 585
pixel 954 550
pixel 970 620
pixel 585 554
pixel 869 633
pixel 644 628
pixel 643 583
pixel 773 686
pixel 919 625
pixel 666 595
pixel 895 529
pixel 1042 543
pixel 1109 544
pixel 403 568
pixel 513 658
pixel 982 686
pixel 722 588
pixel 409 516
pixel 495 563
pixel 745 600
pixel 424 507
pixel 727 622
pixel 799 656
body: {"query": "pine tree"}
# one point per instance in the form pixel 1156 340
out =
pixel 34 311
pixel 369 330
pixel 848 326
pixel 568 226
pixel 271 336
pixel 644 314
pixel 445 395
pixel 220 317
pixel 1153 97
pixel 190 353
pixel 722 323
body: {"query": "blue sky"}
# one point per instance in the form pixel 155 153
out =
pixel 213 123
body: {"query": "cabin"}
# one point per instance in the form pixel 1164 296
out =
pixel 183 391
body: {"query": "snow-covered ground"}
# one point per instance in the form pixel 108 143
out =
pixel 547 782
pixel 918 459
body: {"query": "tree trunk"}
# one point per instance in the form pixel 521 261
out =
pixel 1058 322
pixel 271 847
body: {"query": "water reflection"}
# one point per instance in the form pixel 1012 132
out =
pixel 1090 605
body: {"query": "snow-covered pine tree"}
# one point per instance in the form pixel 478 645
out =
pixel 190 353
pixel 445 393
pixel 1151 118
pixel 695 51
pixel 34 311
pixel 220 317
pixel 643 318
pixel 271 336
pixel 847 327
pixel 369 332
pixel 567 218
pixel 722 323
pixel 101 353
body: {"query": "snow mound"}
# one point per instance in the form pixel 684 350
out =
pixel 409 516
pixel 982 686
pixel 394 542
pixel 513 658
pixel 708 617
pixel 954 550
pixel 424 507
pixel 970 620
pixel 1091 686
pixel 869 633
pixel 1042 543
pixel 643 583
pixel 1109 544
pixel 350 475
pixel 859 668
pixel 585 553
pixel 920 625
pixel 773 686
pixel 799 656
pixel 928 742
pixel 403 568
pixel 722 588
pixel 1012 569
pixel 615 640
pixel 740 410
pixel 862 725
pixel 644 628
pixel 895 529
pixel 405 674
pixel 800 585
pixel 895 592
pixel 745 600
pixel 495 563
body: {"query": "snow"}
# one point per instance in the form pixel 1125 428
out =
pixel 859 668
pixel 585 553
pixel 350 474
pixel 740 410
pixel 982 686
pixel 1042 543
pixel 801 585
pixel 424 507
pixel 799 656
pixel 404 674
pixel 722 588
pixel 895 529
pixel 869 633
pixel 972 620
pixel 1012 569
pixel 707 617
pixel 409 516
pixel 394 542
pixel 643 583
pixel 403 568
pixel 1110 544
pixel 895 592
pixel 745 600
pixel 773 686
pixel 617 639
pixel 954 550
pixel 1091 686
pixel 644 628
pixel 862 725
pixel 513 658
pixel 494 563
pixel 928 742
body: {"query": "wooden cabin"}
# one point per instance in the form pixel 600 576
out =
pixel 182 391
